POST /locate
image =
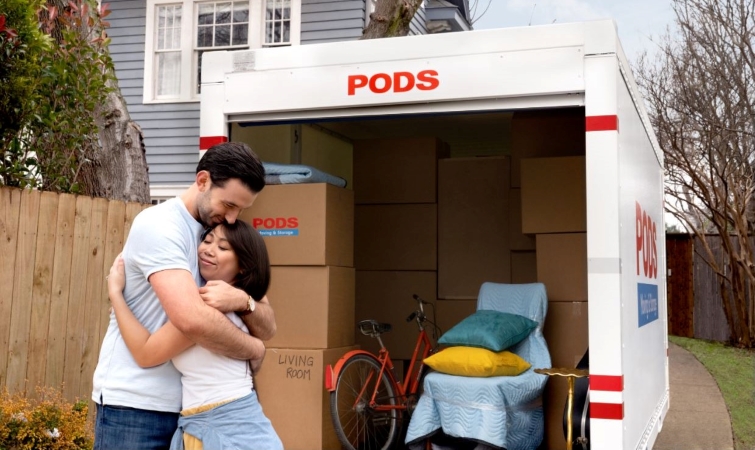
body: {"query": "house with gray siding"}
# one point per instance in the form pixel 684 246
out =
pixel 157 47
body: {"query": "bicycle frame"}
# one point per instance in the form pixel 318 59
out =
pixel 408 387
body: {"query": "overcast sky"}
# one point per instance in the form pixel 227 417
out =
pixel 637 20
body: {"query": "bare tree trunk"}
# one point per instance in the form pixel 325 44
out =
pixel 391 18
pixel 119 170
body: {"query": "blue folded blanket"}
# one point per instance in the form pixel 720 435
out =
pixel 296 173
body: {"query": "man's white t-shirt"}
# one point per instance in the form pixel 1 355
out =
pixel 162 237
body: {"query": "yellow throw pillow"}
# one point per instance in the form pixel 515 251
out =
pixel 477 362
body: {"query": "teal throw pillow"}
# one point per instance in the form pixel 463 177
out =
pixel 493 330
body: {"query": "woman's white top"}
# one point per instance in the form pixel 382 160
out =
pixel 211 378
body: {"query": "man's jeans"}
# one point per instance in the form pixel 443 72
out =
pixel 123 428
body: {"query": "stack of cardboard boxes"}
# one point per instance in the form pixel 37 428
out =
pixel 395 235
pixel 308 230
pixel 549 174
pixel 474 243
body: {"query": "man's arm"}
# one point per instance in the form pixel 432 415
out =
pixel 201 323
pixel 226 298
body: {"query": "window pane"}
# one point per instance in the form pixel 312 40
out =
pixel 204 36
pixel 287 12
pixel 206 14
pixel 286 32
pixel 240 12
pixel 168 27
pixel 162 12
pixel 176 37
pixel 240 34
pixel 168 73
pixel 222 35
pixel 269 33
pixel 223 13
pixel 277 32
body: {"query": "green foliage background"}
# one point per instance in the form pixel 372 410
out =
pixel 55 75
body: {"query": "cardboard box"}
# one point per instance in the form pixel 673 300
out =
pixel 314 306
pixel 517 239
pixel 396 237
pixel 562 266
pixel 291 389
pixel 386 296
pixel 451 312
pixel 523 267
pixel 473 225
pixel 397 170
pixel 566 332
pixel 543 133
pixel 305 224
pixel 554 195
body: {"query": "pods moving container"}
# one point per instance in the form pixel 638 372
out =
pixel 581 180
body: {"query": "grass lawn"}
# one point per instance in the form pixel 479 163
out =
pixel 734 371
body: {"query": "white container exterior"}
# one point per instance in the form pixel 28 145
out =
pixel 579 64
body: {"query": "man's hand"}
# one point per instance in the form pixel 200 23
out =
pixel 224 297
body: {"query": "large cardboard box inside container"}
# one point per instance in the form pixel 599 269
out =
pixel 523 267
pixel 314 306
pixel 451 312
pixel 541 133
pixel 305 224
pixel 397 170
pixel 554 195
pixel 291 389
pixel 562 266
pixel 473 225
pixel 396 237
pixel 386 296
pixel 566 332
pixel 518 240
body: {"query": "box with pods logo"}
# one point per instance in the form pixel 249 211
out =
pixel 305 224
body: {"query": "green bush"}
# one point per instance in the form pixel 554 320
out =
pixel 49 423
pixel 21 47
pixel 72 81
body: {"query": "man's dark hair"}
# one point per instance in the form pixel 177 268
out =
pixel 253 260
pixel 231 160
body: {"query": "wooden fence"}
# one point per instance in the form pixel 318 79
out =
pixel 695 305
pixel 55 250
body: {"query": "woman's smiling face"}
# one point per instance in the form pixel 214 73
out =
pixel 217 260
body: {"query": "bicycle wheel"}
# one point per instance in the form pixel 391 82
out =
pixel 357 425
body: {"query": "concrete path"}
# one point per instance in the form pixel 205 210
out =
pixel 698 418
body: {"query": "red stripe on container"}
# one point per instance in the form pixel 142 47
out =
pixel 208 141
pixel 612 411
pixel 602 123
pixel 613 383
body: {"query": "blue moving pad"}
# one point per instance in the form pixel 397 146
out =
pixel 296 173
pixel 504 412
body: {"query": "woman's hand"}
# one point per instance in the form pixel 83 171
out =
pixel 116 280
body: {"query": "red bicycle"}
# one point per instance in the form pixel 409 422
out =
pixel 367 404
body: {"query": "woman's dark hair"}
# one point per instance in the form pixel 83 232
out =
pixel 231 160
pixel 253 260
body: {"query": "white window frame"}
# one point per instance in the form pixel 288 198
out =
pixel 188 82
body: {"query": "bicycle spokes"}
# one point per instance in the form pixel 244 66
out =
pixel 358 421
